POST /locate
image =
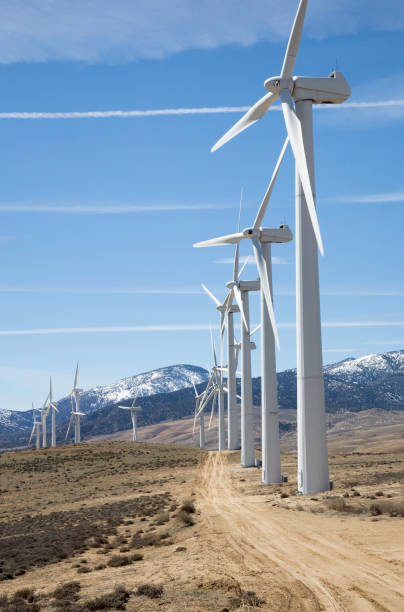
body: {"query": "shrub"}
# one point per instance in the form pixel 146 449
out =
pixel 26 593
pixel 185 517
pixel 118 561
pixel 150 590
pixel 250 598
pixel 283 495
pixel 188 506
pixel 83 569
pixel 116 600
pixel 336 503
pixel 69 591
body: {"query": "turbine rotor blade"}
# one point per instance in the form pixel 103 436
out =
pixel 251 116
pixel 296 140
pixel 76 376
pixel 237 295
pixel 213 347
pixel 294 41
pixel 264 204
pixel 227 239
pixel 244 265
pixel 210 294
pixel 265 288
pixel 213 409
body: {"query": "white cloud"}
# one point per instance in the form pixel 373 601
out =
pixel 85 30
pixel 104 290
pixel 377 105
pixel 373 198
pixel 117 209
pixel 176 328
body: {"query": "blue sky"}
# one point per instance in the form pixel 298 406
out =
pixel 98 215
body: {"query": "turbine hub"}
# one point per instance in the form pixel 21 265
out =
pixel 276 84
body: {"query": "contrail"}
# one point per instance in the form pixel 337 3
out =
pixel 108 210
pixel 176 328
pixel 207 110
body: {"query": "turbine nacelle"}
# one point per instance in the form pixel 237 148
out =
pixel 333 89
pixel 276 235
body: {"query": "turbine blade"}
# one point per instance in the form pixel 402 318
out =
pixel 32 433
pixel 213 347
pixel 265 288
pixel 251 116
pixel 237 295
pixel 213 410
pixel 227 239
pixel 296 140
pixel 255 330
pixel 210 294
pixel 294 41
pixel 193 384
pixel 244 265
pixel 264 204
pixel 50 388
pixel 76 376
pixel 68 429
pixel 45 402
pixel 196 410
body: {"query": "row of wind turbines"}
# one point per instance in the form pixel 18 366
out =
pixel 40 425
pixel 297 96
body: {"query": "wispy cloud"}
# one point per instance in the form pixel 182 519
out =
pixel 372 198
pixel 347 350
pixel 117 209
pixel 122 30
pixel 105 290
pixel 206 110
pixel 249 260
pixel 176 328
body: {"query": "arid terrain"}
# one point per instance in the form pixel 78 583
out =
pixel 116 525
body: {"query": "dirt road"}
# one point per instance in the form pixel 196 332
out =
pixel 297 560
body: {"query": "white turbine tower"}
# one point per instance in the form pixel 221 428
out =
pixel 44 414
pixel 198 398
pixel 52 407
pixel 133 413
pixel 76 414
pixel 35 429
pixel 297 95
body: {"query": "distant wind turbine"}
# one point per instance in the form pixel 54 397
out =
pixel 35 429
pixel 133 413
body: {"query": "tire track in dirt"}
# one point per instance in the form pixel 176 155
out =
pixel 328 572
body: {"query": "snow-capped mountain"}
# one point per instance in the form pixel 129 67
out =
pixel 373 381
pixel 369 367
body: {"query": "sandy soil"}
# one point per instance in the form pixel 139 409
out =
pixel 300 561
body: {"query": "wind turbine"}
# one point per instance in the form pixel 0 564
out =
pixel 297 95
pixel 76 414
pixel 133 413
pixel 35 429
pixel 261 239
pixel 44 414
pixel 52 406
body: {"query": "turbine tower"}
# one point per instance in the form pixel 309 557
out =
pixel 76 414
pixel 35 429
pixel 54 410
pixel 297 95
pixel 44 414
pixel 198 398
pixel 133 413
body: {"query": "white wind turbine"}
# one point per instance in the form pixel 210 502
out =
pixel 297 95
pixel 133 414
pixel 261 239
pixel 76 414
pixel 226 318
pixel 52 407
pixel 35 429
